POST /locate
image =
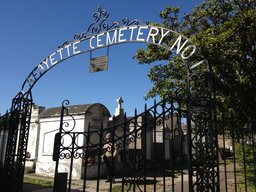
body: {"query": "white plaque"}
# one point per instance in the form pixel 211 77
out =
pixel 99 64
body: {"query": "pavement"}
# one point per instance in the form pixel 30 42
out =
pixel 178 183
pixel 91 185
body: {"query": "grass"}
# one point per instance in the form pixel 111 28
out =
pixel 38 182
pixel 241 186
pixel 27 173
pixel 73 183
pixel 180 173
pixel 229 161
pixel 31 174
pixel 41 182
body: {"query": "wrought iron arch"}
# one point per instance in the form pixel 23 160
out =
pixel 200 93
pixel 104 26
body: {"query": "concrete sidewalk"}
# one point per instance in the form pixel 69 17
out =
pixel 91 185
pixel 178 183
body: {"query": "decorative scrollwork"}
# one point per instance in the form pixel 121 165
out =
pixel 101 24
pixel 79 153
pixel 65 102
pixel 203 138
pixel 67 124
pixel 65 154
pixel 128 182
pixel 125 21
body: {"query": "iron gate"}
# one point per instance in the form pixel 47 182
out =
pixel 137 166
pixel 198 109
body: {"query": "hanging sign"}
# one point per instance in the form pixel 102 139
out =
pixel 99 64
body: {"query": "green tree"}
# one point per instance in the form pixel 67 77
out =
pixel 225 30
pixel 5 118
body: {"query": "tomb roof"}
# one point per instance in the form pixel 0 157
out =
pixel 72 110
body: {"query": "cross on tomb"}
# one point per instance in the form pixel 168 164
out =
pixel 119 101
pixel 119 110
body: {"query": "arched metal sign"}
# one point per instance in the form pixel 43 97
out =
pixel 103 32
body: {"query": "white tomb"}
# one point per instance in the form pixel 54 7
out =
pixel 49 121
pixel 45 124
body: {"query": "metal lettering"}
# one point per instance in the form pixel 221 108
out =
pixel 132 28
pixel 34 74
pixel 30 81
pixel 91 42
pixel 60 51
pixel 144 33
pixel 51 59
pixel 67 47
pixel 108 38
pixel 162 35
pixel 121 34
pixel 99 40
pixel 151 34
pixel 179 48
pixel 46 62
pixel 199 63
pixel 194 49
pixel 140 33
pixel 40 68
pixel 74 47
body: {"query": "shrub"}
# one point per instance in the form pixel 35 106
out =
pixel 244 156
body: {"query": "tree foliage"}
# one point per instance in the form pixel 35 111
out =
pixel 4 122
pixel 225 30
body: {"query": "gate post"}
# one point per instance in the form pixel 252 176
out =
pixel 202 133
pixel 14 164
pixel 60 179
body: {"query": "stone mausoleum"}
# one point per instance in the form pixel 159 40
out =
pixel 45 124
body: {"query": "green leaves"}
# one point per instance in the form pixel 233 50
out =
pixel 245 157
pixel 225 30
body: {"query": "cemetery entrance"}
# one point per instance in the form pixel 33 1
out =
pixel 181 129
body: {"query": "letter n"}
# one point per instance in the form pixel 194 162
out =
pixel 179 48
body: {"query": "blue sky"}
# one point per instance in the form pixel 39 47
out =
pixel 30 30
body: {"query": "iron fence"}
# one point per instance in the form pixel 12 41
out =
pixel 163 166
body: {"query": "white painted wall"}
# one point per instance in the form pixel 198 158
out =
pixel 33 138
pixel 45 166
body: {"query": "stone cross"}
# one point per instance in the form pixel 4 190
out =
pixel 119 101
pixel 119 110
